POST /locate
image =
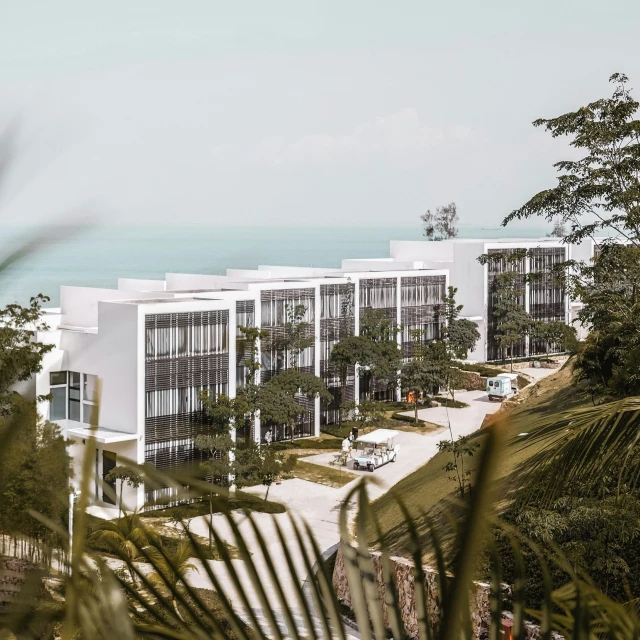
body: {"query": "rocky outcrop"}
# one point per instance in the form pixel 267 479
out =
pixel 403 577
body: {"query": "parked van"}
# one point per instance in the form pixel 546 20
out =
pixel 503 386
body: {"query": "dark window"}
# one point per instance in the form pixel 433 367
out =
pixel 58 403
pixel 74 396
pixel 57 377
pixel 108 463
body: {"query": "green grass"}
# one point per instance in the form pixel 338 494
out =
pixel 240 500
pixel 429 491
pixel 329 476
pixel 327 442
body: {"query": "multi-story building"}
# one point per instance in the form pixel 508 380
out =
pixel 156 345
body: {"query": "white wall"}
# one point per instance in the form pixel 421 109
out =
pixel 137 284
pixel 116 361
pixel 79 305
pixel 177 281
pixel 426 250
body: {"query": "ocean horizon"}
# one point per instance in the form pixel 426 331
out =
pixel 100 255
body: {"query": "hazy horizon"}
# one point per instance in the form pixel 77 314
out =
pixel 200 113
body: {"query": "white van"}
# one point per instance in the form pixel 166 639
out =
pixel 502 386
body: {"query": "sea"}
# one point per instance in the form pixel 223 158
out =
pixel 39 260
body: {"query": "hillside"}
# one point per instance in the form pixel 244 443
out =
pixel 429 491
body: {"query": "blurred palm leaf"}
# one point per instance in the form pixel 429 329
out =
pixel 581 446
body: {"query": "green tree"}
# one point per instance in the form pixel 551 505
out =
pixel 553 333
pixel 277 398
pixel 124 475
pixel 511 320
pixel 34 476
pixel 170 568
pixel 298 334
pixel 20 355
pixel 126 536
pixel 426 371
pixel 460 334
pixel 223 412
pixel 441 224
pixel 461 448
pixel 349 352
pixel 385 356
pixel 251 337
pixel 599 193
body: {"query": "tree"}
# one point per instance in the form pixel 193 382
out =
pixel 426 371
pixel 222 412
pixel 125 536
pixel 124 475
pixel 249 390
pixel 441 225
pixel 269 469
pixel 34 476
pixel 170 569
pixel 552 333
pixel 297 334
pixel 559 229
pixel 600 194
pixel 600 191
pixel 460 334
pixel 277 398
pixel 20 355
pixel 349 352
pixel 511 319
pixel 385 357
pixel 461 448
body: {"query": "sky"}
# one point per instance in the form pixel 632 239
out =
pixel 351 113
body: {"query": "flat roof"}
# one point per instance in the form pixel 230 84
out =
pixel 102 435
pixel 378 436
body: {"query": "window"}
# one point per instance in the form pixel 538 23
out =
pixel 88 386
pixel 74 396
pixel 58 384
pixel 58 403
pixel 57 377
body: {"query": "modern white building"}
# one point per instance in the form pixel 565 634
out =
pixel 155 345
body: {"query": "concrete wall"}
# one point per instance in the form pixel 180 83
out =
pixel 177 281
pixel 137 284
pixel 79 305
pixel 117 361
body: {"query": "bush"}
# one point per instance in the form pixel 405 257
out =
pixel 408 419
pixel 308 443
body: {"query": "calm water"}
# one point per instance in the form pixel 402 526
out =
pixel 98 257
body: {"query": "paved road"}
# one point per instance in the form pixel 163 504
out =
pixel 319 506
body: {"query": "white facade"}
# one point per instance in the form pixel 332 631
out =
pixel 154 344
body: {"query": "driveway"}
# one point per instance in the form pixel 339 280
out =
pixel 463 421
pixel 319 506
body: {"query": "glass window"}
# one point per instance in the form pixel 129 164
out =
pixel 57 377
pixel 58 404
pixel 86 412
pixel 74 410
pixel 89 386
pixel 74 396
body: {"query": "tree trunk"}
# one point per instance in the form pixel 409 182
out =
pixel 210 521
pixel 266 495
pixel 415 405
pixel 343 395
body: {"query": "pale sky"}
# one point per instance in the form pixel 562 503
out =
pixel 295 113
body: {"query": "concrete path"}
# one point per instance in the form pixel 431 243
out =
pixel 319 506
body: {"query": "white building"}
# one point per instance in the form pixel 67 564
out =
pixel 156 344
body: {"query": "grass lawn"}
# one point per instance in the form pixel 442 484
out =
pixel 329 476
pixel 240 500
pixel 429 491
